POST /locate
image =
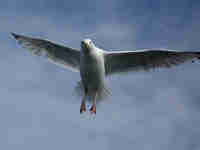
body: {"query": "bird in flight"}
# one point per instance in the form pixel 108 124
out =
pixel 95 64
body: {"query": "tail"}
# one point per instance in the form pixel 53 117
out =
pixel 102 93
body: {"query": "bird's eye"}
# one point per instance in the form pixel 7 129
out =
pixel 90 42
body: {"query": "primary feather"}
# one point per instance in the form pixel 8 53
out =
pixel 124 61
pixel 58 54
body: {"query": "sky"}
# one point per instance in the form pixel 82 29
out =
pixel 148 110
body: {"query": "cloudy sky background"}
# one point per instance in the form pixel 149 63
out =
pixel 155 110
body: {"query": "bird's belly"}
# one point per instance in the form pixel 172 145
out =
pixel 92 75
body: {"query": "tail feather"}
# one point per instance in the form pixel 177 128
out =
pixel 102 93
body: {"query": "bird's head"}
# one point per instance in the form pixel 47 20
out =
pixel 87 45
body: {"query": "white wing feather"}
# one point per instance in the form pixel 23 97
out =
pixel 58 54
pixel 124 61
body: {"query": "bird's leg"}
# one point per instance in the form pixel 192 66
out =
pixel 83 107
pixel 93 108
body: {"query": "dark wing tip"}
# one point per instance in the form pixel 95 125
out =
pixel 15 35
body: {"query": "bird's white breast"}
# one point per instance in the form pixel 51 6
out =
pixel 92 69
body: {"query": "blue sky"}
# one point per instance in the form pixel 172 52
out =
pixel 154 110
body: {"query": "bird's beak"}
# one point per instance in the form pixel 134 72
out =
pixel 87 45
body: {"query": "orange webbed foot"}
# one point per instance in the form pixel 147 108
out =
pixel 82 108
pixel 93 109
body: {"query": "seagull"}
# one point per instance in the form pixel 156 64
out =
pixel 95 64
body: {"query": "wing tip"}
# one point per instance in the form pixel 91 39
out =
pixel 16 36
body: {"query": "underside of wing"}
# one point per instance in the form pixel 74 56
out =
pixel 124 61
pixel 58 54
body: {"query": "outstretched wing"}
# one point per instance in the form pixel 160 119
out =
pixel 61 55
pixel 124 61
